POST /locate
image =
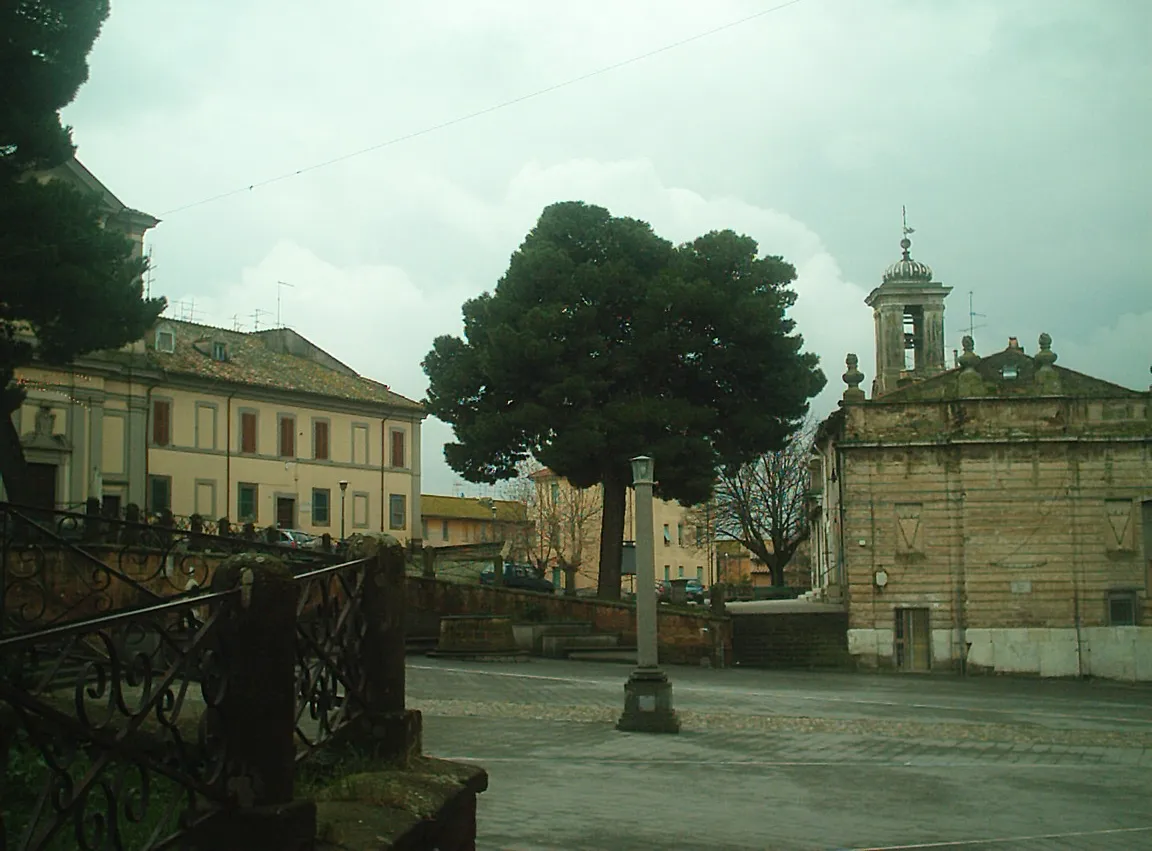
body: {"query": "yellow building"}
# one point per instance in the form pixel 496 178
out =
pixel 260 427
pixel 454 520
pixel 567 522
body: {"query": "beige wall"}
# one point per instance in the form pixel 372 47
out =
pixel 1013 535
pixel 206 465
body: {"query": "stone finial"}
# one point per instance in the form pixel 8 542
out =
pixel 969 381
pixel 1047 379
pixel 852 377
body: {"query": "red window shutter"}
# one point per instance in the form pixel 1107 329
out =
pixel 248 433
pixel 397 449
pixel 161 423
pixel 321 442
pixel 287 438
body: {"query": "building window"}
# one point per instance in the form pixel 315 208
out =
pixel 679 534
pixel 397 511
pixel 667 536
pixel 444 533
pixel 248 432
pixel 159 494
pixel 161 422
pixel 165 340
pixel 321 500
pixel 360 511
pixel 204 498
pixel 555 492
pixel 359 443
pixel 397 456
pixel 287 448
pixel 205 425
pixel 320 440
pixel 680 572
pixel 667 572
pixel 1123 607
pixel 246 502
pixel 219 351
pixel 699 536
pixel 700 573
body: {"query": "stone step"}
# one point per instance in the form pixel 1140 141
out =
pixel 557 646
pixel 622 655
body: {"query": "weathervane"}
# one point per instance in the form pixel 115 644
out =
pixel 906 243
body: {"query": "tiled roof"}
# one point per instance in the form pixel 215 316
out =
pixel 250 360
pixel 470 508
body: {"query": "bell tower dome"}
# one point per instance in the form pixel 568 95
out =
pixel 908 308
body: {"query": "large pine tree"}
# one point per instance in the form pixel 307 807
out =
pixel 67 284
pixel 603 341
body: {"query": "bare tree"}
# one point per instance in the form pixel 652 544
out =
pixel 762 504
pixel 565 520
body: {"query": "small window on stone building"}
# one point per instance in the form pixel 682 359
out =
pixel 1008 371
pixel 219 351
pixel 165 339
pixel 667 536
pixel 1123 607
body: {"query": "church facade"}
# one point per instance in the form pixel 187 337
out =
pixel 992 515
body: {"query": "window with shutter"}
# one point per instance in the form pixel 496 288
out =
pixel 320 440
pixel 287 437
pixel 397 449
pixel 161 422
pixel 248 432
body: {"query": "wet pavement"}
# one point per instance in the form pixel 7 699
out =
pixel 795 760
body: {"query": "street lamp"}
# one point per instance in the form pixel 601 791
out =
pixel 648 693
pixel 343 490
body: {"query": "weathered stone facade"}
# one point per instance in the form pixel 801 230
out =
pixel 996 516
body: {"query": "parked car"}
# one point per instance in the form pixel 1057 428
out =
pixel 297 539
pixel 693 590
pixel 522 576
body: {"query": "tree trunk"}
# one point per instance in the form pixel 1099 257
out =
pixel 569 580
pixel 13 467
pixel 611 537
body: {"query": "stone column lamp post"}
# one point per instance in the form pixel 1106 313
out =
pixel 648 693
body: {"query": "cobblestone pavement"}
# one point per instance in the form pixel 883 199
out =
pixel 789 760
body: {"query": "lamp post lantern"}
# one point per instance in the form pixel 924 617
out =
pixel 343 490
pixel 648 693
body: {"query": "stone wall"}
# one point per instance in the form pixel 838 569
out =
pixel 791 640
pixel 1014 523
pixel 685 636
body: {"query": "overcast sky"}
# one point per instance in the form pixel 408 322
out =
pixel 1017 132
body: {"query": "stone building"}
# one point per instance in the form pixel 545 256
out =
pixel 992 516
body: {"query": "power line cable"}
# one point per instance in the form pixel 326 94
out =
pixel 482 112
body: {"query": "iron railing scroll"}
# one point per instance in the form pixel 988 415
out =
pixel 331 685
pixel 108 726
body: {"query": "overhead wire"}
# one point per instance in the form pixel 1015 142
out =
pixel 488 110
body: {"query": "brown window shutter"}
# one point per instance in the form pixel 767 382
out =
pixel 321 441
pixel 397 449
pixel 287 438
pixel 248 433
pixel 161 423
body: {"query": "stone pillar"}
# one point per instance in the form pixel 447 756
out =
pixel 648 693
pixel 416 517
pixel 136 463
pixel 389 730
pixel 255 717
pixel 95 454
pixel 78 463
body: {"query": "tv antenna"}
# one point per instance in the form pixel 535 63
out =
pixel 235 321
pixel 279 289
pixel 256 314
pixel 148 274
pixel 972 315
pixel 187 310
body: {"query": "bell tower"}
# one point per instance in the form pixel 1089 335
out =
pixel 908 308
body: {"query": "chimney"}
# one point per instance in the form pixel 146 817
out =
pixel 1013 344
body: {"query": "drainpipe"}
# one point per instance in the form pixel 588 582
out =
pixel 228 458
pixel 384 447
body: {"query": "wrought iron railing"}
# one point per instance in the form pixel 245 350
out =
pixel 330 674
pixel 60 566
pixel 109 727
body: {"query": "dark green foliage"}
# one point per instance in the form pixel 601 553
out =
pixel 74 284
pixel 603 341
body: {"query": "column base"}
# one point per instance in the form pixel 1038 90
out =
pixel 648 704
